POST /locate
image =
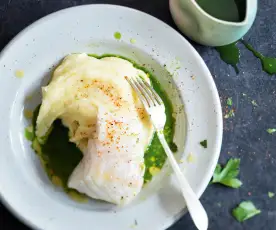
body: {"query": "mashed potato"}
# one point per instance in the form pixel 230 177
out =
pixel 82 84
pixel 106 121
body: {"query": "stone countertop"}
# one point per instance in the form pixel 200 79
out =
pixel 245 135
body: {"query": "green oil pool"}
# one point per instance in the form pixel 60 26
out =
pixel 230 54
pixel 227 10
pixel 59 157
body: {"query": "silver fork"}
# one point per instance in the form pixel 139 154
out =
pixel 155 108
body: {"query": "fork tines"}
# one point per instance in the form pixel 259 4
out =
pixel 145 91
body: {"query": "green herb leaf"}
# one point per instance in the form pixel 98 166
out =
pixel 229 101
pixel 204 144
pixel 271 194
pixel 254 103
pixel 230 114
pixel 245 210
pixel 227 175
pixel 270 131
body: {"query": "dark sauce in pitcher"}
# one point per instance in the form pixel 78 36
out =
pixel 227 10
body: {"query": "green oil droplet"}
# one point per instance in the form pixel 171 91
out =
pixel 132 41
pixel 230 54
pixel 268 63
pixel 19 73
pixel 117 35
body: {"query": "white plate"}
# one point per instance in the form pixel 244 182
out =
pixel 25 188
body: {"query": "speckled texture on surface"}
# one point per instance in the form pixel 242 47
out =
pixel 245 135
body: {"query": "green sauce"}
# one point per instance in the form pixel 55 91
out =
pixel 59 157
pixel 227 10
pixel 231 55
pixel 268 63
pixel 155 156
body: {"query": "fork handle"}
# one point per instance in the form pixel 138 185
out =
pixel 195 208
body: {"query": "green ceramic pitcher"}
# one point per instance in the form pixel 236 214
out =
pixel 202 27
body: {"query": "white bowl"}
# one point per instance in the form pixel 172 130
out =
pixel 24 186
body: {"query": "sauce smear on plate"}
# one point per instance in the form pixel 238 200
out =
pixel 59 157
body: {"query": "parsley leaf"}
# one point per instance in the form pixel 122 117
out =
pixel 227 175
pixel 270 131
pixel 245 210
pixel 254 103
pixel 204 144
pixel 229 101
pixel 271 194
pixel 231 113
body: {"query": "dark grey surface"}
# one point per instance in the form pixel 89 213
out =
pixel 245 135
